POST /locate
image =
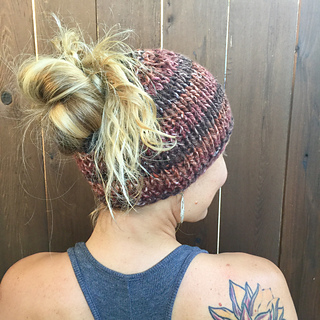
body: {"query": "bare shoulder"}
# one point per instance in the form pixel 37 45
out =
pixel 234 286
pixel 35 286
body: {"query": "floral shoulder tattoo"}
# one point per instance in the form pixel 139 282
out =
pixel 249 305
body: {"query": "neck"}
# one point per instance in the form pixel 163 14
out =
pixel 134 241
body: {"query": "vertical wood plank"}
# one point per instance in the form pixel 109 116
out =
pixel 259 81
pixel 300 246
pixel 198 30
pixel 143 17
pixel 23 228
pixel 69 197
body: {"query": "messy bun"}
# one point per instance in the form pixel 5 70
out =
pixel 64 95
pixel 91 92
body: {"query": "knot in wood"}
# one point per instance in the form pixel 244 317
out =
pixel 6 98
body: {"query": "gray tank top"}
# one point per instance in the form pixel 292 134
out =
pixel 146 295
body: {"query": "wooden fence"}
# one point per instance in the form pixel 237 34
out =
pixel 267 53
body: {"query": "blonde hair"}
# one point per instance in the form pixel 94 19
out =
pixel 84 89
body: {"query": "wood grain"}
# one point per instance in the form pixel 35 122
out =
pixel 23 225
pixel 198 30
pixel 143 17
pixel 259 82
pixel 300 245
pixel 69 198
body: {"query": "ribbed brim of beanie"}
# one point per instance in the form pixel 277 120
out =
pixel 192 106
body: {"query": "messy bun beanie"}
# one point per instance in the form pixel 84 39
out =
pixel 192 107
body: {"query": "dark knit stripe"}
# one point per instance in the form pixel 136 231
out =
pixel 194 139
pixel 174 84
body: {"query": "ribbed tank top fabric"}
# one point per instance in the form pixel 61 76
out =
pixel 146 295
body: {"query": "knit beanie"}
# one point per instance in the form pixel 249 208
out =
pixel 191 106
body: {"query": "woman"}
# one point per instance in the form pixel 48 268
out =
pixel 148 130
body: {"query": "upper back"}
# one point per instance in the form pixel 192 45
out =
pixel 44 286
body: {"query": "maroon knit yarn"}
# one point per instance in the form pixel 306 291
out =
pixel 191 106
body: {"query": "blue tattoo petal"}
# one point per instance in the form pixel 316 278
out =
pixel 253 300
pixel 275 310
pixel 235 307
pixel 215 316
pixel 264 316
pixel 248 289
pixel 247 298
pixel 245 314
pixel 281 310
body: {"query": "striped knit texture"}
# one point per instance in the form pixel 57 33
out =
pixel 191 106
